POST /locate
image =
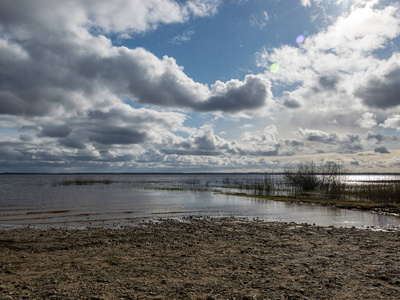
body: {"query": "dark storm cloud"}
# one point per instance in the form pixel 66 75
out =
pixel 249 95
pixel 116 135
pixel 382 150
pixel 10 152
pixel 375 136
pixel 60 131
pixel 382 92
pixel 72 142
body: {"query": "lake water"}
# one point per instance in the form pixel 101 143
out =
pixel 49 201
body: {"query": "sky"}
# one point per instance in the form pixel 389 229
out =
pixel 199 85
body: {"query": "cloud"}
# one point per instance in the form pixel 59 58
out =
pixel 328 82
pixel 259 20
pixel 384 91
pixel 72 142
pixel 163 83
pixel 25 138
pixel 366 121
pixel 317 136
pixel 64 85
pixel 382 150
pixel 61 131
pixel 247 126
pixel 267 136
pixel 380 137
pixel 184 37
pixel 290 102
pixel 56 65
pixel 375 136
pixel 202 141
pixel 116 136
pixel 392 122
pixel 330 142
pixel 335 68
pixel 234 95
pixel 97 129
pixel 139 16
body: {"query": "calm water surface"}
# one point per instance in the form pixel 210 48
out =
pixel 43 201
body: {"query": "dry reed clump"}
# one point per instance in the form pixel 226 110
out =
pixel 258 186
pixel 82 181
pixel 384 192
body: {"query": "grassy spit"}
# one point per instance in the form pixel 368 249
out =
pixel 323 185
pixel 327 185
pixel 388 208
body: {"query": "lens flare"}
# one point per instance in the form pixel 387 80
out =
pixel 300 39
pixel 274 68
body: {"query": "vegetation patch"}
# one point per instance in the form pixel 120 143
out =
pixel 82 181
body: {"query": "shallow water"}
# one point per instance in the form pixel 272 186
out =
pixel 42 201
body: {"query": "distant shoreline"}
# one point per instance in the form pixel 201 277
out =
pixel 185 173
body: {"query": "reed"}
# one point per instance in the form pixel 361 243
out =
pixel 383 192
pixel 329 182
pixel 257 186
pixel 82 181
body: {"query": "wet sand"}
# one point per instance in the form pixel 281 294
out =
pixel 203 258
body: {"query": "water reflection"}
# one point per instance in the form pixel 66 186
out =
pixel 35 200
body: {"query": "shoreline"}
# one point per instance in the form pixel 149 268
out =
pixel 200 258
pixel 392 209
pixel 381 208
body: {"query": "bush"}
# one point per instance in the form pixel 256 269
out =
pixel 309 177
pixel 305 177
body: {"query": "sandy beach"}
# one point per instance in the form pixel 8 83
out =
pixel 200 258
